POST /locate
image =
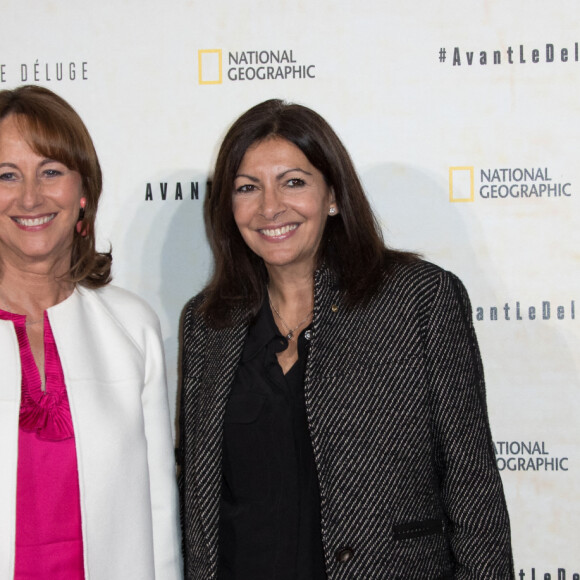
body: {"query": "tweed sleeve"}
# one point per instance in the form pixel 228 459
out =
pixel 192 335
pixel 471 488
pixel 191 361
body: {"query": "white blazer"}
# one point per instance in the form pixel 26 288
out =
pixel 110 347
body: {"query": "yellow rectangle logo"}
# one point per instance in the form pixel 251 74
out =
pixel 461 186
pixel 210 66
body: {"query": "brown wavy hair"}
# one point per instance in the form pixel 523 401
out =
pixel 53 129
pixel 352 245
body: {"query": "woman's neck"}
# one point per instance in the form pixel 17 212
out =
pixel 31 292
pixel 288 287
pixel 291 298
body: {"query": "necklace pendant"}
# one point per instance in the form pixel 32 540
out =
pixel 290 335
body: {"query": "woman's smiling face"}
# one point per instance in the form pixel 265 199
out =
pixel 39 202
pixel 280 204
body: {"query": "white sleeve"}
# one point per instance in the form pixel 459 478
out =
pixel 161 461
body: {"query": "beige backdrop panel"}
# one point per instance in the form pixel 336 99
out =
pixel 462 118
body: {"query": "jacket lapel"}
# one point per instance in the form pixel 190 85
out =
pixel 224 348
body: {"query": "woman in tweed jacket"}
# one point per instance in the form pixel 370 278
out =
pixel 333 414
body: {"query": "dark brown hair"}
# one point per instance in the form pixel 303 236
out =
pixel 352 245
pixel 53 129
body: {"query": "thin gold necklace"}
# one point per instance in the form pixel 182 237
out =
pixel 291 331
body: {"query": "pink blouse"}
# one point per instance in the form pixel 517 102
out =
pixel 49 543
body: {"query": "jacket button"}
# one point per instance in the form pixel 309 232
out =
pixel 344 555
pixel 334 308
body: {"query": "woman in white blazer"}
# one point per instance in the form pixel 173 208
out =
pixel 87 482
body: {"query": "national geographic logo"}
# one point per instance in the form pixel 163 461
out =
pixel 461 184
pixel 503 183
pixel 527 456
pixel 251 65
pixel 44 72
pixel 548 53
pixel 554 574
pixel 515 311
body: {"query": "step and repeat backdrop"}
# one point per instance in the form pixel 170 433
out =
pixel 463 119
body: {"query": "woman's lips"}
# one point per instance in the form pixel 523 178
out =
pixel 33 222
pixel 278 232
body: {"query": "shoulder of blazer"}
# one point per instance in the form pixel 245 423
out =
pixel 416 282
pixel 107 312
pixel 202 341
pixel 419 277
pixel 422 284
pixel 193 320
pixel 208 351
pixel 408 306
pixel 121 302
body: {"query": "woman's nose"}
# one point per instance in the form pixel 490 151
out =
pixel 272 205
pixel 31 194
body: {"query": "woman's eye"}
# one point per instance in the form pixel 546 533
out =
pixel 295 182
pixel 51 172
pixel 7 176
pixel 245 188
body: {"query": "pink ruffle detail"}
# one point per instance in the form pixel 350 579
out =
pixel 50 417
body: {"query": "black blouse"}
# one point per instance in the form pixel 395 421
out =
pixel 270 502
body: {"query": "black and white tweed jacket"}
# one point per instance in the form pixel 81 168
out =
pixel 396 407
